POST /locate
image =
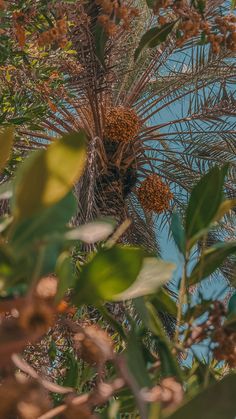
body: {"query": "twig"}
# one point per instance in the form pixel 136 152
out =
pixel 102 393
pixel 25 367
pixel 118 233
pixel 53 412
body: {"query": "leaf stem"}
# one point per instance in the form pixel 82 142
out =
pixel 182 293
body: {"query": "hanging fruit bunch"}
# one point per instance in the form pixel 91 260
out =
pixel 191 19
pixel 154 194
pixel 121 124
pixel 114 12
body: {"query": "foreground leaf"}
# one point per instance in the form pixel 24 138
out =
pixel 135 361
pixel 163 302
pixel 211 260
pixel 216 402
pixel 91 232
pixel 6 143
pixel 65 275
pixel 154 273
pixel 110 272
pixel 178 232
pixel 49 175
pixel 169 364
pixel 36 227
pixel 204 203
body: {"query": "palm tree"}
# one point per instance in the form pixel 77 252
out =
pixel 154 126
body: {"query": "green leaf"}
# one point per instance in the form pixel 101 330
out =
pixel 72 373
pixel 91 232
pixel 153 37
pixel 204 203
pixel 169 365
pixel 136 362
pixel 51 220
pixel 49 175
pixel 163 302
pixel 6 143
pixel 6 265
pixel 110 272
pixel 197 310
pixel 100 42
pixel 154 273
pixel 216 402
pixel 65 275
pixel 178 232
pixel 233 4
pixel 211 260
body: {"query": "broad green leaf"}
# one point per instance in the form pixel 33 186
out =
pixel 154 273
pixel 154 37
pixel 211 260
pixel 65 275
pixel 197 310
pixel 43 225
pixel 91 232
pixel 233 4
pixel 110 272
pixel 163 302
pixel 216 402
pixel 6 143
pixel 50 175
pixel 135 361
pixel 178 232
pixel 169 364
pixel 204 202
